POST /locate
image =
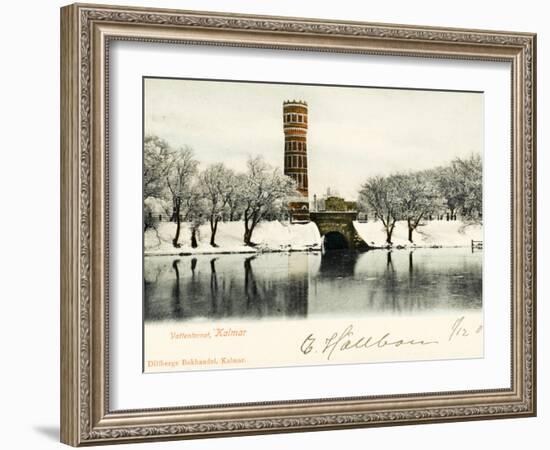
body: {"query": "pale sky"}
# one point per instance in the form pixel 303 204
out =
pixel 354 132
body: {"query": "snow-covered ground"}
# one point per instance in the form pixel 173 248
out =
pixel 281 236
pixel 429 234
pixel 270 236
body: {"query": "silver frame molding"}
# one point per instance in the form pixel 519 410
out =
pixel 86 31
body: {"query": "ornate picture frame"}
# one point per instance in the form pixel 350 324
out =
pixel 87 31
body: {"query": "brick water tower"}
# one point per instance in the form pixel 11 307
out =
pixel 295 130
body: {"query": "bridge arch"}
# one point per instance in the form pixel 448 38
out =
pixel 336 227
pixel 334 240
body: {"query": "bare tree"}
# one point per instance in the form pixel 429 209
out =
pixel 461 185
pixel 471 171
pixel 450 187
pixel 151 207
pixel 179 182
pixel 158 159
pixel 218 185
pixel 262 189
pixel 381 195
pixel 234 201
pixel 418 197
pixel 195 209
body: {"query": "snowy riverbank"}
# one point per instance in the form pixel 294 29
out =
pixel 281 236
pixel 435 233
pixel 269 236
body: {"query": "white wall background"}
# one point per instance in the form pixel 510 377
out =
pixel 29 225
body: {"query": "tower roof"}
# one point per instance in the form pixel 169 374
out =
pixel 295 102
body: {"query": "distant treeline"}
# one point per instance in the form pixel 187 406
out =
pixel 173 181
pixel 414 196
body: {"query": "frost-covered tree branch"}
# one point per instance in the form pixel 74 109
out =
pixel 218 185
pixel 461 186
pixel 260 192
pixel 418 198
pixel 179 182
pixel 415 196
pixel 381 194
pixel 158 158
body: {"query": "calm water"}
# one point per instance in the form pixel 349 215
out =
pixel 340 283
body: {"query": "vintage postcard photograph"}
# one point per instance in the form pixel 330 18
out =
pixel 291 225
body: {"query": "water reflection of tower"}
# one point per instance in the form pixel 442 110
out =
pixel 295 129
pixel 298 284
pixel 338 264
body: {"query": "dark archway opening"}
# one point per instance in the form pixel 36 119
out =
pixel 335 241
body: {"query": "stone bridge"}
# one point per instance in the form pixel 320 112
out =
pixel 336 227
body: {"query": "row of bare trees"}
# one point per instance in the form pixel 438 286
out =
pixel 413 196
pixel 172 178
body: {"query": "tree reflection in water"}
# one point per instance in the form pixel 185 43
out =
pixel 298 285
